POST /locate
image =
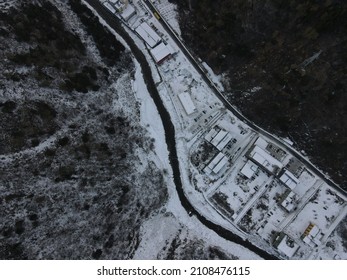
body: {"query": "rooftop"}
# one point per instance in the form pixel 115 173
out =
pixel 288 202
pixel 265 160
pixel 187 103
pixel 128 12
pixel 160 52
pixel 218 137
pixel 289 180
pixel 286 245
pixel 249 169
pixel 216 164
pixel 148 34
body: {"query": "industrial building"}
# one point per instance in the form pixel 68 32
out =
pixel 147 33
pixel 249 169
pixel 118 4
pixel 110 7
pixel 288 179
pixel 128 12
pixel 311 235
pixel 216 164
pixel 286 245
pixel 260 142
pixel 187 103
pixel 289 201
pixel 218 137
pixel 125 10
pixel 160 53
pixel 265 160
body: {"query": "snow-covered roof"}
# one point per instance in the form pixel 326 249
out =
pixel 217 163
pixel 128 12
pixel 187 102
pixel 218 138
pixel 220 165
pixel 314 231
pixel 148 34
pixel 261 143
pixel 264 159
pixel 109 7
pixel 289 180
pixel 287 246
pixel 160 52
pixel 289 202
pixel 220 146
pixel 220 135
pixel 249 169
pixel 311 233
pixel 211 134
pixel 117 4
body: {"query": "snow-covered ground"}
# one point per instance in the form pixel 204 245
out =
pixel 7 4
pixel 253 200
pixel 162 227
pixel 217 79
pixel 169 12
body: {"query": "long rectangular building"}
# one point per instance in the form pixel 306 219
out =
pixel 128 12
pixel 110 7
pixel 148 34
pixel 187 103
pixel 265 160
pixel 218 137
pixel 289 180
pixel 216 164
pixel 160 53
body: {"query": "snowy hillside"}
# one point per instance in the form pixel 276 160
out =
pixel 83 160
pixel 74 182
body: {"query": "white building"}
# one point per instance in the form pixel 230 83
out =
pixel 212 133
pixel 160 53
pixel 117 4
pixel 262 158
pixel 260 142
pixel 289 201
pixel 312 235
pixel 218 137
pixel 216 164
pixel 187 103
pixel 128 12
pixel 110 7
pixel 249 169
pixel 148 34
pixel 125 10
pixel 289 180
pixel 286 245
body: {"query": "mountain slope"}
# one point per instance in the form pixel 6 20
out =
pixel 285 67
pixel 76 181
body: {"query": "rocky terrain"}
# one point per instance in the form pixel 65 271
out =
pixel 192 249
pixel 284 65
pixel 76 176
pixel 72 184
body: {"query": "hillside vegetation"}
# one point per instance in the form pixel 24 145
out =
pixel 76 181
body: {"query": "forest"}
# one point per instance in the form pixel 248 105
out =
pixel 285 67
